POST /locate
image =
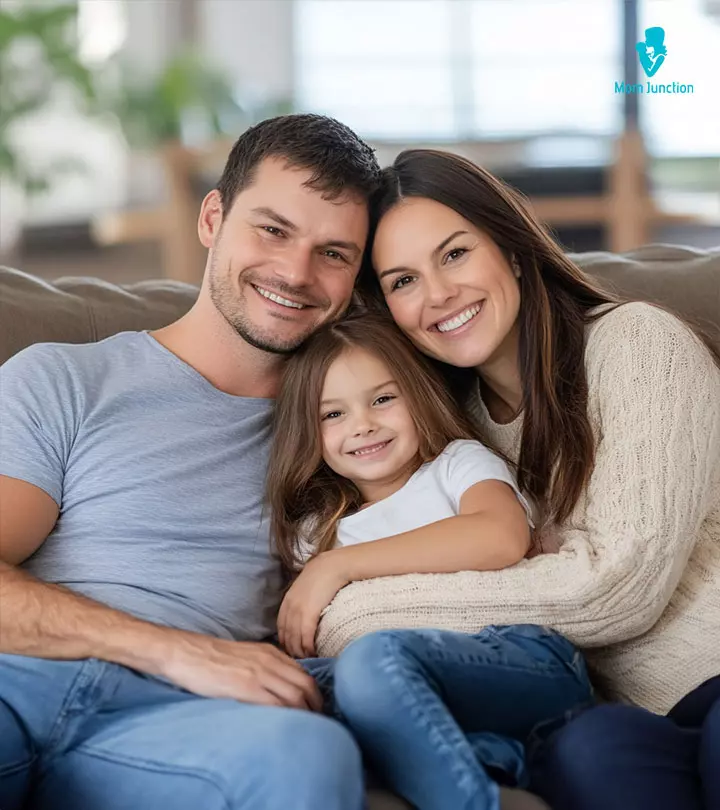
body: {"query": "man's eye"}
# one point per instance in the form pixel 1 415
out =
pixel 272 230
pixel 403 281
pixel 330 415
pixel 335 256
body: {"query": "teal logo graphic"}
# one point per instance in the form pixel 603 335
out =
pixel 652 52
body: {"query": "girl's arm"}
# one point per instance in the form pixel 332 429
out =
pixel 655 402
pixel 491 532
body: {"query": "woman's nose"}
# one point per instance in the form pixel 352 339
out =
pixel 439 290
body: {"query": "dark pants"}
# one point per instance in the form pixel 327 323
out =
pixel 615 756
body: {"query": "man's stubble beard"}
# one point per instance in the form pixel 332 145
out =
pixel 228 301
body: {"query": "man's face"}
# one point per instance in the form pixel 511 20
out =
pixel 283 261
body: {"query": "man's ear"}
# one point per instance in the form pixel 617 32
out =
pixel 211 217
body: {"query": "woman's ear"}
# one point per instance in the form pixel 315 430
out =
pixel 517 272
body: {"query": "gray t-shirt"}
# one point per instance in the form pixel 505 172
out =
pixel 159 477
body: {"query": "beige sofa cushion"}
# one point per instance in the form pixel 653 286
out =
pixel 684 279
pixel 81 310
pixel 77 310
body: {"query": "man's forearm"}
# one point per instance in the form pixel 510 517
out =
pixel 49 621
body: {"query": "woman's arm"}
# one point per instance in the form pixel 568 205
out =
pixel 655 403
pixel 491 532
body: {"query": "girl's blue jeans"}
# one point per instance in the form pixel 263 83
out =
pixel 443 718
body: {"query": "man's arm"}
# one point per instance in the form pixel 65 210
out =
pixel 48 621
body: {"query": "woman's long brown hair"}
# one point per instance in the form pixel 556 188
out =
pixel 302 490
pixel 557 446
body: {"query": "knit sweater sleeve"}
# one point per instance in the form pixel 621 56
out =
pixel 654 402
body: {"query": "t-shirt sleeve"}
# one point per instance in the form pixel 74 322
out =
pixel 38 409
pixel 467 463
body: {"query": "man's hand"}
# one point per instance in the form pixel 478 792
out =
pixel 306 599
pixel 246 671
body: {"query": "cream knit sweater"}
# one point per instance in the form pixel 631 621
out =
pixel 636 581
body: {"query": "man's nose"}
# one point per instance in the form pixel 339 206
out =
pixel 297 267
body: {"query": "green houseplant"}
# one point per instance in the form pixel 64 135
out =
pixel 38 52
pixel 38 57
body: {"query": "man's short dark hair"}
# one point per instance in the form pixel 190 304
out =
pixel 339 161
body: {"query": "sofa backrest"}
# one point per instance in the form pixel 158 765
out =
pixel 80 310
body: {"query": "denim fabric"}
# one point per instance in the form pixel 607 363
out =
pixel 89 735
pixel 625 757
pixel 443 717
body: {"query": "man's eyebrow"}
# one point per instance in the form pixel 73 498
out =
pixel 369 391
pixel 438 249
pixel 339 243
pixel 290 226
pixel 279 218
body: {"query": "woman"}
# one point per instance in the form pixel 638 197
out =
pixel 611 411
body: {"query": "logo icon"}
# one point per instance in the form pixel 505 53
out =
pixel 652 52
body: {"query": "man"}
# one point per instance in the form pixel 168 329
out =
pixel 136 578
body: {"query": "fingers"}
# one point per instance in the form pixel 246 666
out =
pixel 307 635
pixel 293 684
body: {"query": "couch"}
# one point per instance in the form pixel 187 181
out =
pixel 78 310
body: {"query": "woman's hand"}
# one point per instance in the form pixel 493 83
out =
pixel 306 599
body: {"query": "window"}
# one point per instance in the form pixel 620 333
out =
pixel 420 70
pixel 453 69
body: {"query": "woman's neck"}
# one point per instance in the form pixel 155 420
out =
pixel 501 387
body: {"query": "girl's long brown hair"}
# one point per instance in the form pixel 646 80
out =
pixel 557 446
pixel 302 490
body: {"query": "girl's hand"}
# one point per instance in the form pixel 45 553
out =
pixel 306 599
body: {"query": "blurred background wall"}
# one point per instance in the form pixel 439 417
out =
pixel 117 114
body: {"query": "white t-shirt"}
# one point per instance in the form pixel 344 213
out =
pixel 431 494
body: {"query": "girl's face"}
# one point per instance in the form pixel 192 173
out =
pixel 447 284
pixel 367 431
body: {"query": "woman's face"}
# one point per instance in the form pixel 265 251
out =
pixel 447 284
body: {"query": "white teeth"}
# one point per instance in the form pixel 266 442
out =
pixel 278 300
pixel 369 450
pixel 459 320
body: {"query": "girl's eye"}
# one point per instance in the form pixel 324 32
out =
pixel 383 399
pixel 454 254
pixel 400 282
pixel 330 415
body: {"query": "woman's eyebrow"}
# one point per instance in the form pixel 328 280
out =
pixel 438 249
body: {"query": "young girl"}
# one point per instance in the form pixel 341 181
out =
pixel 374 473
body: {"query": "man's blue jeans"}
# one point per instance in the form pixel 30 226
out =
pixel 442 717
pixel 89 735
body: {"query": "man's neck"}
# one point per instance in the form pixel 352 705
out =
pixel 205 340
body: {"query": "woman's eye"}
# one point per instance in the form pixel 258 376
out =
pixel 330 415
pixel 403 281
pixel 383 399
pixel 454 254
